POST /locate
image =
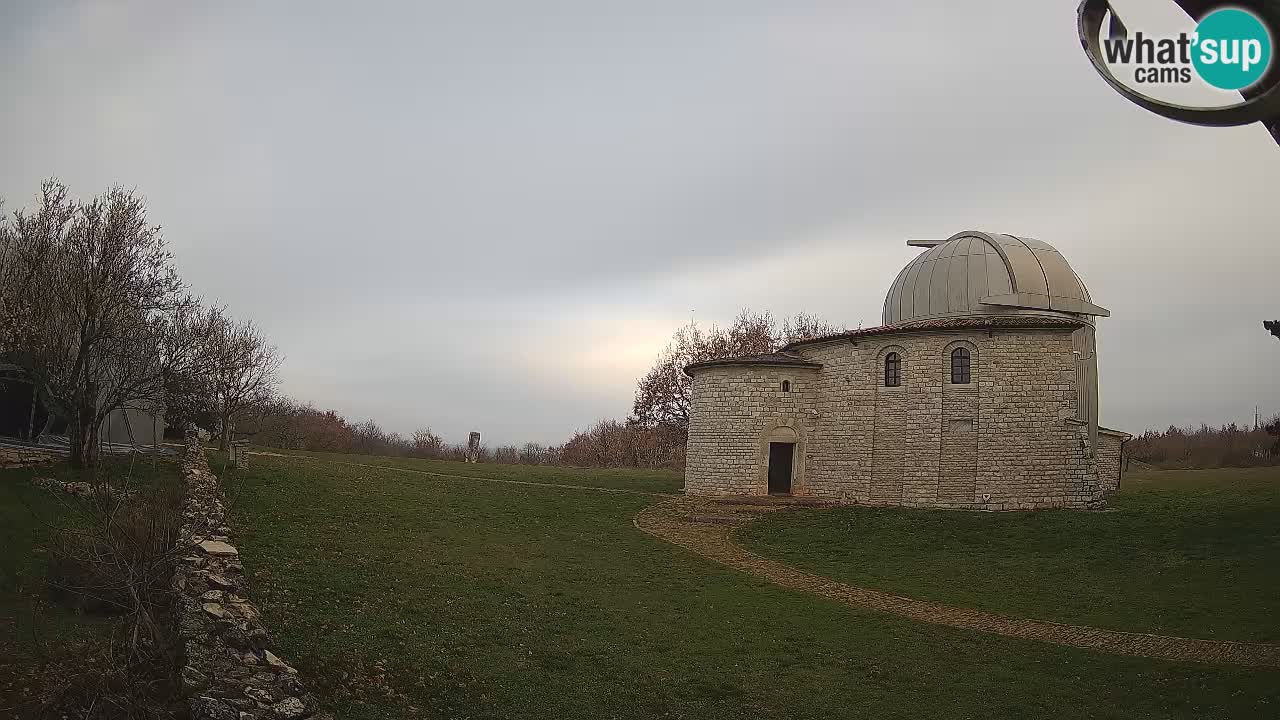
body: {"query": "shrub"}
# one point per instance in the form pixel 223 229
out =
pixel 1208 447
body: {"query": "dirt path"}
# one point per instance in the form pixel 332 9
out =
pixel 704 527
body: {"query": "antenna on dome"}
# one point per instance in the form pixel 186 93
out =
pixel 924 243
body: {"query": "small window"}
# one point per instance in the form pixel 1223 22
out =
pixel 892 370
pixel 786 386
pixel 960 366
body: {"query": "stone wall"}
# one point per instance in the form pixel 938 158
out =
pixel 229 670
pixel 1001 442
pixel 1110 458
pixel 736 411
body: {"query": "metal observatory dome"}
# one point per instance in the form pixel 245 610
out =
pixel 974 273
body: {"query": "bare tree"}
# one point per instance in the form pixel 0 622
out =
pixel 427 444
pixel 188 345
pixel 805 326
pixel 7 323
pixel 662 395
pixel 90 296
pixel 285 423
pixel 243 373
pixel 532 454
pixel 28 251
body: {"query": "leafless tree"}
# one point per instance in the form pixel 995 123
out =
pixel 662 395
pixel 28 250
pixel 90 294
pixel 369 438
pixel 806 326
pixel 243 373
pixel 7 324
pixel 533 454
pixel 427 444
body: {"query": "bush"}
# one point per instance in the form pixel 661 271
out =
pixel 113 555
pixel 121 563
pixel 1209 447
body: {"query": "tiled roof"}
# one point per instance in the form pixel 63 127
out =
pixel 959 323
pixel 783 359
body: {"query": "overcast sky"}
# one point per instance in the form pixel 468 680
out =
pixel 481 215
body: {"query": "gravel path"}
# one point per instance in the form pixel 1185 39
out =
pixel 704 527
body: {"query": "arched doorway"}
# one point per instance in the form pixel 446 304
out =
pixel 782 460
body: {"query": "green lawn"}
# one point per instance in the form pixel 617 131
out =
pixel 1193 553
pixel 658 481
pixel 41 642
pixel 403 595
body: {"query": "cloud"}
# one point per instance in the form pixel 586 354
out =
pixel 492 215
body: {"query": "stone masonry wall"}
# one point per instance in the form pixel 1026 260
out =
pixel 1001 442
pixel 735 410
pixel 1110 459
pixel 230 671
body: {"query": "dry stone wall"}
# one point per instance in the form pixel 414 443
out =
pixel 229 671
pixel 1005 441
pixel 78 488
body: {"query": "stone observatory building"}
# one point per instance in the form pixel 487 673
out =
pixel 979 391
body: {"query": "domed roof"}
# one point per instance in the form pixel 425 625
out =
pixel 979 273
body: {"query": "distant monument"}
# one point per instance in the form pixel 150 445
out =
pixel 473 447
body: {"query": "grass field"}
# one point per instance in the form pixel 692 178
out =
pixel 406 595
pixel 657 481
pixel 1193 553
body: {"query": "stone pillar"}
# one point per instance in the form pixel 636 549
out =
pixel 240 454
pixel 473 447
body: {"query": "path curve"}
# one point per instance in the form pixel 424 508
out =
pixel 704 526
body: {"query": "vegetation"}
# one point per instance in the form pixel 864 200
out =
pixel 76 639
pixel 445 597
pixel 653 438
pixel 640 480
pixel 93 309
pixel 662 401
pixel 655 435
pixel 1212 447
pixel 242 372
pixel 1208 447
pixel 1192 553
pixel 87 293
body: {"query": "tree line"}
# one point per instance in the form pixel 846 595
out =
pixel 93 308
pixel 1207 446
pixel 653 436
pixel 291 425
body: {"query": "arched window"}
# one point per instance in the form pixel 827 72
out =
pixel 960 366
pixel 892 370
pixel 786 386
